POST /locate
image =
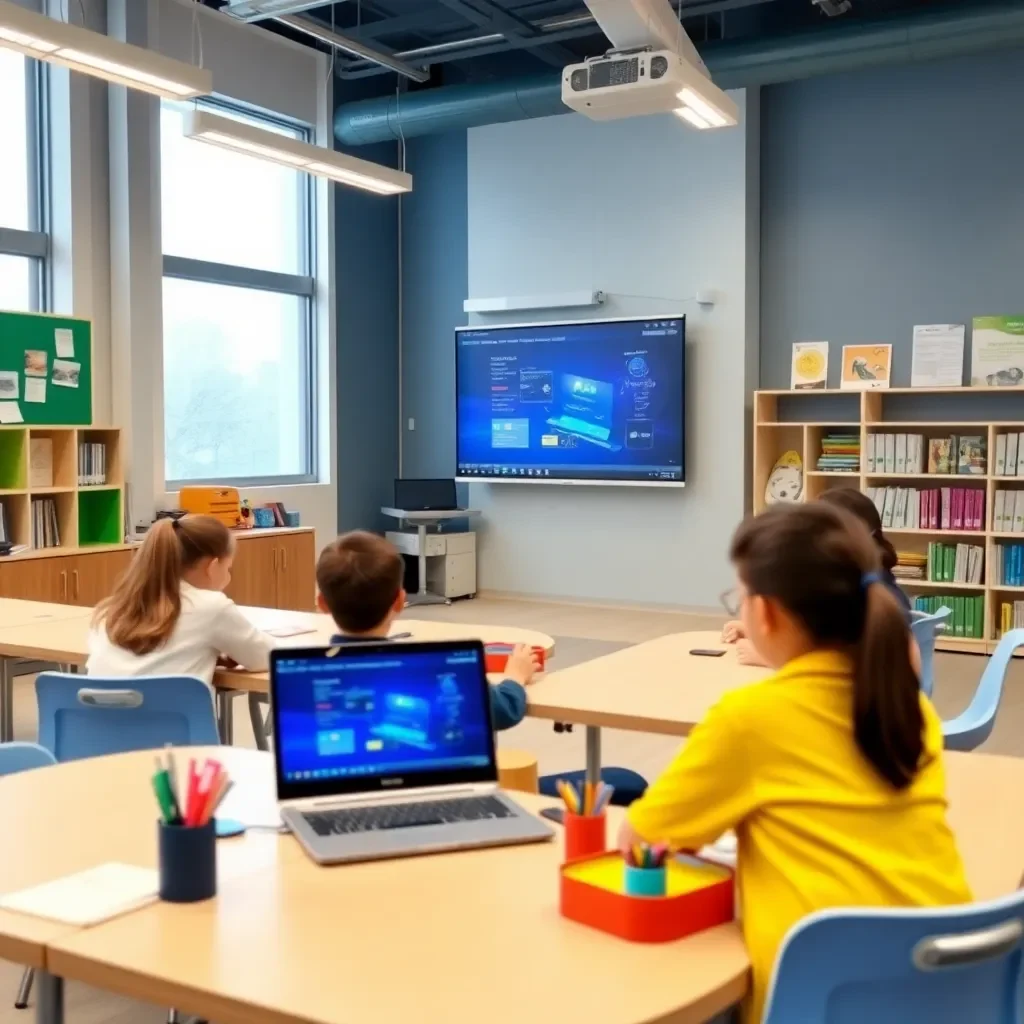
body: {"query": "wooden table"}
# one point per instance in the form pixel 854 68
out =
pixel 656 686
pixel 390 942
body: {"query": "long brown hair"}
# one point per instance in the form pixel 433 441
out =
pixel 144 608
pixel 822 566
pixel 858 503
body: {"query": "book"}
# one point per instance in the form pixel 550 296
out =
pixel 1012 441
pixel 1018 512
pixel 939 455
pixel 40 462
pixel 888 507
pixel 1001 455
pixel 971 457
pixel 901 453
pixel 1020 454
pixel 869 453
pixel 890 453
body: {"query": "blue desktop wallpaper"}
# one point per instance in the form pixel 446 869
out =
pixel 381 713
pixel 600 401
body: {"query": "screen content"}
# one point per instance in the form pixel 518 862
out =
pixel 585 401
pixel 376 714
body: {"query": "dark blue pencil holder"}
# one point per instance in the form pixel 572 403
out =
pixel 188 862
pixel 644 881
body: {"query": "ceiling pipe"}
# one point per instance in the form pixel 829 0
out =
pixel 849 46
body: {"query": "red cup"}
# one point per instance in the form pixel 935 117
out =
pixel 585 835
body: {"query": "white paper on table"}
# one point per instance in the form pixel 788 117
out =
pixel 64 341
pixel 35 389
pixel 253 806
pixel 8 385
pixel 938 356
pixel 10 412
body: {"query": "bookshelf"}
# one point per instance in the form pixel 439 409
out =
pixel 797 420
pixel 87 515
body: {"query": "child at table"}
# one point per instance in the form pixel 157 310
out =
pixel 360 576
pixel 831 770
pixel 169 615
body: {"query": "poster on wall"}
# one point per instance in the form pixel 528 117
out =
pixel 938 356
pixel 810 365
pixel 866 367
pixel 997 351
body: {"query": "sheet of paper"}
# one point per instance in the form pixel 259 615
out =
pixel 10 412
pixel 254 806
pixel 293 630
pixel 8 385
pixel 35 362
pixel 64 342
pixel 938 356
pixel 65 374
pixel 809 369
pixel 35 389
pixel 997 351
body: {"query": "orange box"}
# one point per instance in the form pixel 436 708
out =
pixel 699 896
pixel 496 656
pixel 222 503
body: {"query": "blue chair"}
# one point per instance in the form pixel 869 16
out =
pixel 926 628
pixel 628 785
pixel 82 716
pixel 974 724
pixel 22 757
pixel 943 965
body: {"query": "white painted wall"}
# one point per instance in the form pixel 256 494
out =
pixel 649 212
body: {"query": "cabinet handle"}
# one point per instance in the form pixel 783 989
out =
pixel 274 563
pixel 284 560
pixel 74 577
pixel 64 586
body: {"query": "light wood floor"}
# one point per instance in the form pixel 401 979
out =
pixel 589 632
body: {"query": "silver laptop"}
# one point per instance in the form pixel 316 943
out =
pixel 386 750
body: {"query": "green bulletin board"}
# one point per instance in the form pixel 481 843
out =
pixel 56 336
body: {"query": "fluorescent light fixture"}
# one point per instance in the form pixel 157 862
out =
pixel 99 56
pixel 701 106
pixel 243 137
pixel 257 10
pixel 691 115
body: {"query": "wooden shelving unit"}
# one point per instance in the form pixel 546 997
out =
pixel 785 420
pixel 87 516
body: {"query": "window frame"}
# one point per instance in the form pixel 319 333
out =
pixel 34 243
pixel 302 286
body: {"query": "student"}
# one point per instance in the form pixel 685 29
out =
pixel 864 509
pixel 359 577
pixel 168 614
pixel 831 770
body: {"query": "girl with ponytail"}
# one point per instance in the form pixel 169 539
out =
pixel 830 771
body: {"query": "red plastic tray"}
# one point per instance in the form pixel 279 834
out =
pixel 496 656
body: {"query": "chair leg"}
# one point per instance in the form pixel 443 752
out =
pixel 24 989
pixel 259 725
pixel 173 1017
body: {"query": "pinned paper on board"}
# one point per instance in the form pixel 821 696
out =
pixel 35 362
pixel 10 412
pixel 65 374
pixel 64 342
pixel 35 389
pixel 8 385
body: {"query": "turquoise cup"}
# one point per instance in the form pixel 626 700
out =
pixel 645 881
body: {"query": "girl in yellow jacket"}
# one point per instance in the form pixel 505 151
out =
pixel 831 770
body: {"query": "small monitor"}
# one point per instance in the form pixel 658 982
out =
pixel 425 495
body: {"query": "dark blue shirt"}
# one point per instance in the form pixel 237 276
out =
pixel 508 698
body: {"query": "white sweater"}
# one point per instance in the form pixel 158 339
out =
pixel 210 625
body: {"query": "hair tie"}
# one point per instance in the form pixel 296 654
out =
pixel 868 578
pixel 175 523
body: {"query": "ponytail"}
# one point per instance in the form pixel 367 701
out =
pixel 860 505
pixel 821 564
pixel 143 610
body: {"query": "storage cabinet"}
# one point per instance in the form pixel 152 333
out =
pixel 84 579
pixel 274 570
pixel 92 576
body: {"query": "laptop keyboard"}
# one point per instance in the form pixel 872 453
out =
pixel 434 812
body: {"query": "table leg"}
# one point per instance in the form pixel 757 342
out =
pixel 49 998
pixel 593 753
pixel 6 701
pixel 257 706
pixel 422 595
pixel 226 715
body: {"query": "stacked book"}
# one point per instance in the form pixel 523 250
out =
pixel 1008 512
pixel 910 566
pixel 5 536
pixel 1011 616
pixel 1008 564
pixel 895 453
pixel 1010 454
pixel 968 618
pixel 92 463
pixel 45 531
pixel 840 453
pixel 935 508
pixel 955 563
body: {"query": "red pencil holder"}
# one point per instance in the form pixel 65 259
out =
pixel 585 835
pixel 496 656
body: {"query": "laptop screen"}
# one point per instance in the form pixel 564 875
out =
pixel 425 495
pixel 366 717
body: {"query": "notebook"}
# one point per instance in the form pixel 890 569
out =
pixel 88 897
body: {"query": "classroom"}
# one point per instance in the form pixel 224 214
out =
pixel 500 447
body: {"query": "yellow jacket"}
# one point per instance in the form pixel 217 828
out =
pixel 817 827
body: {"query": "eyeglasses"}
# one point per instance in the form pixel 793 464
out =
pixel 731 600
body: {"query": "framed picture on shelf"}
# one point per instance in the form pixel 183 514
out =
pixel 997 351
pixel 809 369
pixel 866 367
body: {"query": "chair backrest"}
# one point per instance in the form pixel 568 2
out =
pixel 20 757
pixel 943 965
pixel 82 716
pixel 926 628
pixel 975 723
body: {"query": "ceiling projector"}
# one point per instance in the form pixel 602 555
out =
pixel 646 81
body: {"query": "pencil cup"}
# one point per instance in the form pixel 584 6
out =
pixel 644 881
pixel 188 862
pixel 584 835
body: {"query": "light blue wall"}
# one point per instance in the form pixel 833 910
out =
pixel 890 197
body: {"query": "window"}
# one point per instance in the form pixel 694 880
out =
pixel 238 290
pixel 23 244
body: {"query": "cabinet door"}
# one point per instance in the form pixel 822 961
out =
pixel 37 579
pixel 296 572
pixel 94 575
pixel 254 573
